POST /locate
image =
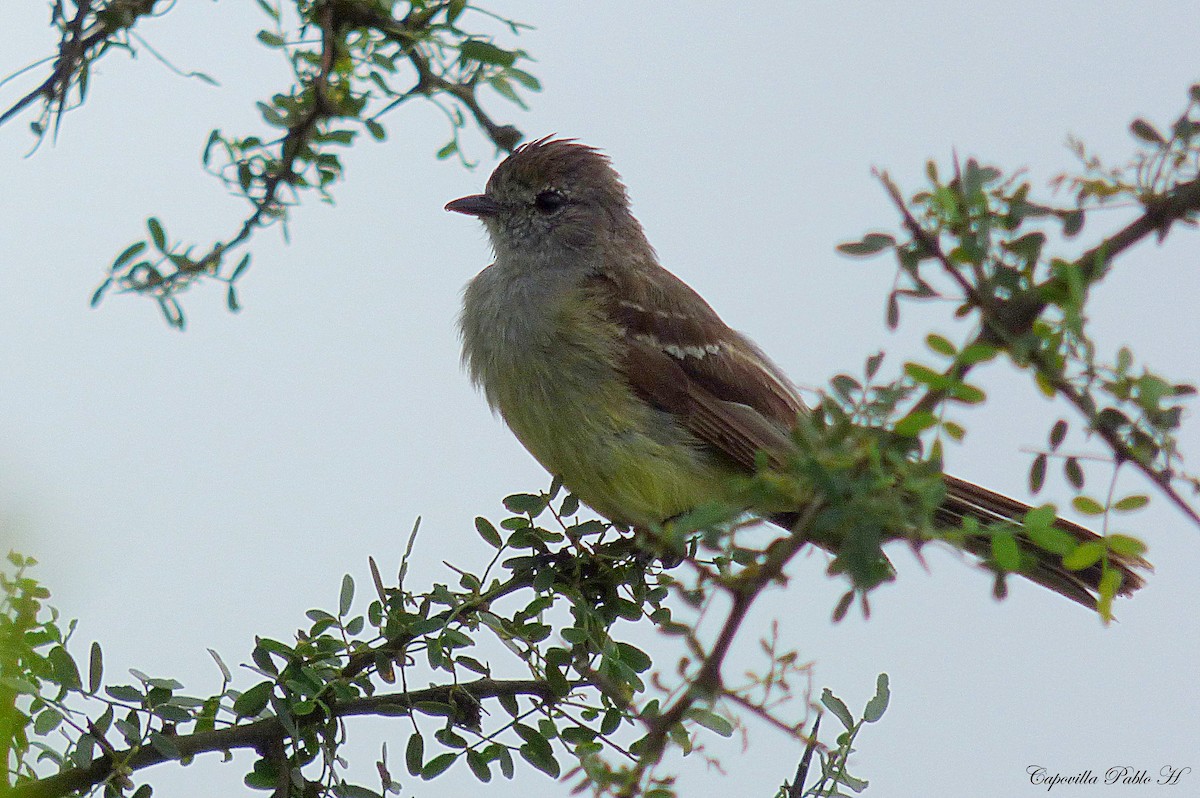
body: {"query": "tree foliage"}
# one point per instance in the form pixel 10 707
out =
pixel 564 593
pixel 352 62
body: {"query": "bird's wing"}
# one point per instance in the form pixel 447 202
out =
pixel 682 358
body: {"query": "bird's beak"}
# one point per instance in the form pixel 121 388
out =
pixel 475 205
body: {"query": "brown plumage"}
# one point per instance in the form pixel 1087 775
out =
pixel 735 399
pixel 661 339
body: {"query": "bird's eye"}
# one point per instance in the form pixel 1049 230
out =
pixel 549 201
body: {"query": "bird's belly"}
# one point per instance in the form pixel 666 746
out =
pixel 629 461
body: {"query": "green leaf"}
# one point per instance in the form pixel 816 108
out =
pixel 488 532
pixel 1037 473
pixel 98 294
pixel 346 596
pixel 1146 132
pixel 66 672
pixel 479 765
pixel 542 759
pixel 414 754
pixel 838 708
pixel 1005 551
pixel 1135 502
pixel 252 702
pixel 967 394
pixel 845 386
pixel 243 264
pixel 338 137
pixel 1072 222
pixel 1073 472
pixel 505 90
pixel 124 692
pixel 915 423
pixel 711 720
pixel 1050 538
pixel 453 9
pixel 955 431
pixel 507 766
pixel 873 363
pixel 869 245
pixel 95 668
pixel 437 766
pixel 634 657
pixel 1057 433
pixel 1087 505
pixel 977 353
pixel 268 9
pixel 231 300
pixel 1028 246
pixel 1084 555
pixel 47 721
pixel 855 784
pixel 926 375
pixel 164 745
pixel 1125 545
pixel 128 254
pixel 485 53
pixel 525 79
pixel 941 345
pixel 878 704
pixel 270 39
pixel 157 234
pixel 345 790
pixel 525 504
pixel 376 130
pixel 19 685
pixel 1110 582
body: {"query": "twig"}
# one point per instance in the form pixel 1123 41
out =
pixel 70 51
pixel 797 788
pixel 262 734
pixel 1003 322
pixel 707 683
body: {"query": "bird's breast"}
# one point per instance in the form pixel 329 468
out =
pixel 550 362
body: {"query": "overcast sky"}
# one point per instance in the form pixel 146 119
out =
pixel 191 490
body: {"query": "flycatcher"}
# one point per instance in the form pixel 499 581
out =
pixel 621 380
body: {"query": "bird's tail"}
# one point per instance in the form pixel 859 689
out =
pixel 967 500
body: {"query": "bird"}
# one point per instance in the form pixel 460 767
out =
pixel 622 381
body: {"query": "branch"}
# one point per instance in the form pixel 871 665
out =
pixel 707 684
pixel 285 160
pixel 1005 321
pixel 1161 212
pixel 262 734
pixel 506 137
pixel 614 549
pixel 1124 454
pixel 71 53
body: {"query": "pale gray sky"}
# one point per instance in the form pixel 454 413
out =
pixel 191 490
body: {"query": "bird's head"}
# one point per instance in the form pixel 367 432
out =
pixel 551 198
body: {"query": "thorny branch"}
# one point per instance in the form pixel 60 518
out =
pixel 1003 321
pixel 324 93
pixel 707 684
pixel 261 735
pixel 73 49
